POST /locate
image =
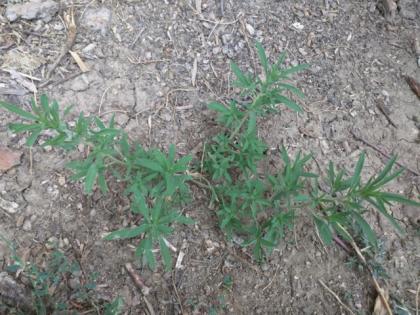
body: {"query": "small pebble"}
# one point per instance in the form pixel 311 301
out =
pixel 27 225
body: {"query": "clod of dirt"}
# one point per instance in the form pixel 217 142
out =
pixel 390 7
pixel 8 158
pixel 13 294
pixel 18 59
pixel 98 20
pixel 413 214
pixel 407 9
pixel 35 9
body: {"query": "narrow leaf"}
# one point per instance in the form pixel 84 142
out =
pixel 285 73
pixel 14 109
pixel 288 102
pixel 292 89
pixel 252 122
pixel 366 229
pixel 323 230
pixel 33 137
pixel 239 75
pixel 218 107
pixel 381 208
pixel 262 56
pixel 90 178
pixel 149 164
pixel 166 255
pixel 399 198
pixel 358 170
pixel 126 233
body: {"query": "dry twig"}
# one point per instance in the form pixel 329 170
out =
pixel 348 309
pixel 414 85
pixel 71 38
pixel 378 288
pixel 176 293
pixel 139 283
pixel 383 153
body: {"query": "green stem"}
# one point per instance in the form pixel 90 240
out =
pixel 238 128
pixel 115 160
pixel 244 119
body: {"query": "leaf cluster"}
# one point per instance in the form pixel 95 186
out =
pixel 154 181
pixel 48 280
pixel 258 208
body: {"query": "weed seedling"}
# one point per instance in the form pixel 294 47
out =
pixel 259 208
pixel 155 181
pixel 48 282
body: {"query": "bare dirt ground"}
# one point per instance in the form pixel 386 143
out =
pixel 141 56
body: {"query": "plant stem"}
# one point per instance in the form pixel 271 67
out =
pixel 238 128
pixel 241 123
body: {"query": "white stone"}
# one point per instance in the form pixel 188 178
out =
pixel 35 9
pixel 98 19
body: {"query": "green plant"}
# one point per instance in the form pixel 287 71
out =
pixel 48 281
pixel 259 207
pixel 155 181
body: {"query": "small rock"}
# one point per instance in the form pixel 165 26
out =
pixel 61 180
pixel 19 221
pixel 166 116
pixel 74 283
pixel 89 48
pixel 52 243
pixel 8 158
pixel 27 225
pixel 19 60
pixel 79 84
pixel 298 26
pixel 35 9
pixel 413 214
pixel 13 293
pixel 407 9
pixel 302 51
pixel 98 19
pixel 10 206
pixel 250 29
pixel 265 267
pixel 227 39
pixel 58 27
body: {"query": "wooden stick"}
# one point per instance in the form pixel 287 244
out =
pixel 378 289
pixel 383 153
pixel 137 280
pixel 71 38
pixel 348 309
pixel 139 283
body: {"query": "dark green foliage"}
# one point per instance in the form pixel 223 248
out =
pixel 155 181
pixel 260 207
pixel 48 283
